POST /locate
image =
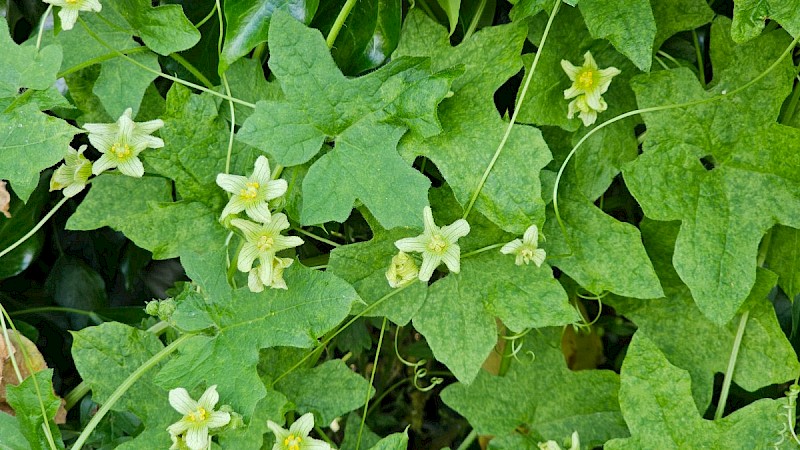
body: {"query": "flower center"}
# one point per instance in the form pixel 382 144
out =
pixel 250 192
pixel 198 416
pixel 526 253
pixel 437 243
pixel 585 80
pixel 121 150
pixel 292 442
pixel 72 2
pixel 265 243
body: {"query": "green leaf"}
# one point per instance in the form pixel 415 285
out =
pixel 784 258
pixel 329 390
pixel 673 16
pixel 458 317
pixel 74 284
pixel 105 356
pixel 25 67
pixel 141 209
pixel 27 400
pixel 247 24
pixel 247 82
pixel 542 395
pixel 451 8
pixel 272 407
pixel 364 265
pixel 702 347
pixel 11 437
pixel 122 84
pixel 599 252
pixel 352 440
pixel 24 217
pixel 657 404
pixel 30 142
pixel 600 157
pixel 629 25
pixel 749 17
pixel 246 322
pixel 528 8
pixel 164 29
pixel 754 162
pixel 321 104
pixel 396 441
pixel 511 196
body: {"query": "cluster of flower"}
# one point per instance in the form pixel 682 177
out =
pixel 194 430
pixel 438 245
pixel 588 86
pixel 120 143
pixel 263 239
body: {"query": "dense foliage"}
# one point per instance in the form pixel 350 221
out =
pixel 317 224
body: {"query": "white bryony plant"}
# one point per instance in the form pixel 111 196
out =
pixel 436 244
pixel 255 281
pixel 71 8
pixel 198 418
pixel 121 142
pixel 588 86
pixel 527 249
pixel 73 175
pixel 296 437
pixel 262 242
pixel 251 194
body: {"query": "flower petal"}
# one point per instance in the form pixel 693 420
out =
pixel 68 17
pixel 278 223
pixel 511 247
pixel 73 189
pixel 279 432
pixel 588 61
pixel 180 400
pixel 261 173
pixel 315 444
pixel 197 438
pixel 427 218
pixel 151 125
pixel 209 398
pixel 284 242
pixel 303 425
pixel 429 263
pixel 275 189
pixel 265 273
pixel 531 235
pixel 132 167
pixel 231 183
pixel 101 141
pixel 452 258
pixel 570 69
pixel 414 244
pixel 259 212
pixel 455 230
pixel 218 419
pixel 593 99
pixel 538 257
pixel 105 162
pixel 250 229
pixel 247 255
pixel 234 206
pixel 178 427
pixel 254 281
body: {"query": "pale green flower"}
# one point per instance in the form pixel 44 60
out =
pixel 255 280
pixel 296 437
pixel 553 445
pixel 402 270
pixel 527 249
pixel 198 418
pixel 436 244
pixel 251 194
pixel 70 8
pixel 262 242
pixel 73 174
pixel 588 85
pixel 121 142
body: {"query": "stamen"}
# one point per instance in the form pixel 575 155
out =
pixel 437 243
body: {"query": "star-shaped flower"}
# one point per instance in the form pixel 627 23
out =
pixel 296 437
pixel 198 418
pixel 402 270
pixel 436 244
pixel 255 278
pixel 588 85
pixel 251 194
pixel 121 142
pixel 262 242
pixel 71 8
pixel 527 249
pixel 73 174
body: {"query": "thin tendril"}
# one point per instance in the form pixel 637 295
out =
pixel 517 107
pixel 371 381
pixel 41 26
pixel 419 372
pixel 35 228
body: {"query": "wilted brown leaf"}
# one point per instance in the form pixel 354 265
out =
pixel 5 200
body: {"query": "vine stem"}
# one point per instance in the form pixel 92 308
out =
pixel 371 380
pixel 468 440
pixel 159 73
pixel 41 26
pixel 337 25
pixel 726 383
pixel 517 107
pixel 314 236
pixel 123 388
pixel 655 109
pixel 36 228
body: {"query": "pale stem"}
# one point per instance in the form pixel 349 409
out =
pixel 340 19
pixel 371 380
